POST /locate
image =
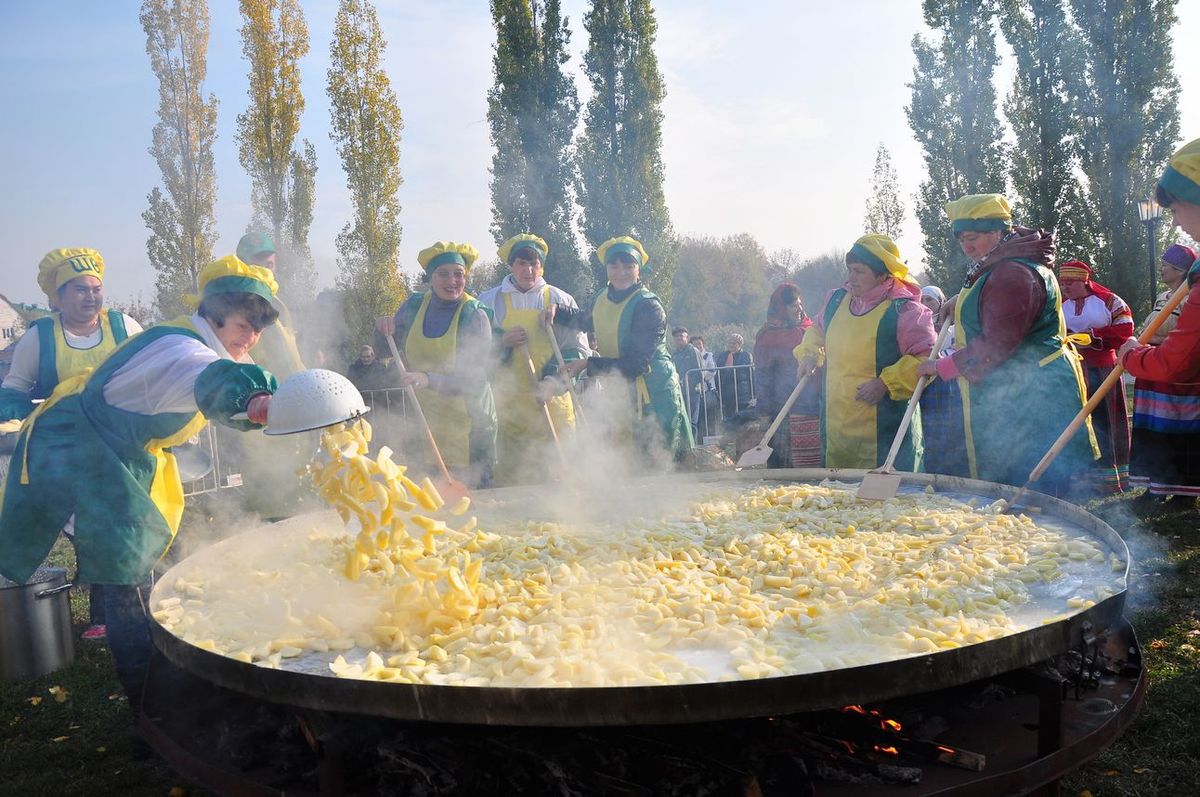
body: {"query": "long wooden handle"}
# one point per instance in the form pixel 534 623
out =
pixel 562 364
pixel 787 405
pixel 898 440
pixel 533 380
pixel 412 395
pixel 1092 403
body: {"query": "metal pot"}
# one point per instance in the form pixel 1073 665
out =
pixel 35 625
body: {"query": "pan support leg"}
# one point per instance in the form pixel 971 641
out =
pixel 331 770
pixel 1049 692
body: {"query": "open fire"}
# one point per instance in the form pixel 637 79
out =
pixel 1001 735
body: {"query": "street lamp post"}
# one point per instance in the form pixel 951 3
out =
pixel 1150 213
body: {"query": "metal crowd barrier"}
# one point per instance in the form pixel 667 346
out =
pixel 714 407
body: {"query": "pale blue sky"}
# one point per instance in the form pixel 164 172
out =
pixel 773 112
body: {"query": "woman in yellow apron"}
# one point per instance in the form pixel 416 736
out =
pixel 445 337
pixel 871 335
pixel 1020 377
pixel 524 443
pixel 77 336
pixel 98 450
pixel 630 326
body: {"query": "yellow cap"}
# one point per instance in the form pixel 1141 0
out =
pixel 447 252
pixel 979 213
pixel 230 275
pixel 625 244
pixel 525 240
pixel 882 255
pixel 60 266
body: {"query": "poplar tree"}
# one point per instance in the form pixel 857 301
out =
pixel 1042 164
pixel 533 108
pixel 885 209
pixel 180 213
pixel 953 117
pixel 1125 99
pixel 274 39
pixel 365 127
pixel 620 158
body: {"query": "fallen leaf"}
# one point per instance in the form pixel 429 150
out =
pixel 33 701
pixel 60 738
pixel 1141 770
pixel 60 694
pixel 1158 644
pixel 101 749
pixel 177 791
pixel 1111 773
pixel 1084 793
pixel 115 696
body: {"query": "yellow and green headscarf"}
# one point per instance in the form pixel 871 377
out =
pixel 444 252
pixel 1181 178
pixel 525 240
pixel 979 213
pixel 231 275
pixel 60 266
pixel 624 244
pixel 882 255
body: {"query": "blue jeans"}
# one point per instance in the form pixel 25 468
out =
pixel 129 635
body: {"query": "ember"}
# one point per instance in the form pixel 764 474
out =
pixel 854 750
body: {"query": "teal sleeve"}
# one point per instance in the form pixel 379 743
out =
pixel 224 388
pixel 15 405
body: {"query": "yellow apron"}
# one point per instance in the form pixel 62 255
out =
pixel 166 488
pixel 71 361
pixel 850 424
pixel 447 415
pixel 277 350
pixel 521 423
pixel 606 324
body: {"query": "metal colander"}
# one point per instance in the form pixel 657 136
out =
pixel 312 399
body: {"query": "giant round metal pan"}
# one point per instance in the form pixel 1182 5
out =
pixel 698 702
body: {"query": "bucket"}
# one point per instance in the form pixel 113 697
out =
pixel 35 625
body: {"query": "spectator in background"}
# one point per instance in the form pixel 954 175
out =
pixel 707 422
pixel 368 372
pixel 941 403
pixel 687 365
pixel 797 443
pixel 1091 308
pixel 736 378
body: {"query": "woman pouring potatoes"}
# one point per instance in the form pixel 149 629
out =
pixel 155 391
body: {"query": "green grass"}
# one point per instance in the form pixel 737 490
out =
pixel 1160 753
pixel 1158 756
pixel 82 745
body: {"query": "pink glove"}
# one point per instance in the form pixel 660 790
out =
pixel 256 408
